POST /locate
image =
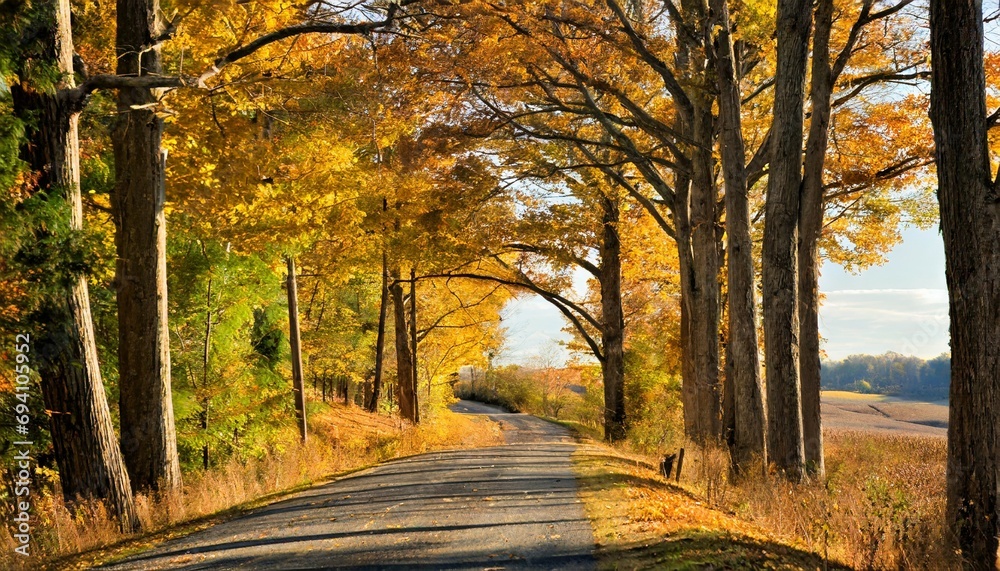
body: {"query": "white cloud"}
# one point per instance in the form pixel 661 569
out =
pixel 908 321
pixel 534 327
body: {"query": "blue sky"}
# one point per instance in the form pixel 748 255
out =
pixel 900 306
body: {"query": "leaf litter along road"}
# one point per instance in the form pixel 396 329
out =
pixel 505 507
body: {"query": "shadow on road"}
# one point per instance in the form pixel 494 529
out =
pixel 505 507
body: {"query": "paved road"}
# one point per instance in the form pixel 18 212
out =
pixel 507 507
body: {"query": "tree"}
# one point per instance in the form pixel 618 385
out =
pixel 874 69
pixel 298 385
pixel 406 393
pixel 569 87
pixel 86 448
pixel 50 95
pixel 970 226
pixel 372 404
pixel 148 436
pixel 744 383
pixel 554 238
pixel 780 273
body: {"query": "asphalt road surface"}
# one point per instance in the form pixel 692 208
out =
pixel 506 507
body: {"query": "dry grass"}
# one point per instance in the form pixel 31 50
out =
pixel 342 439
pixel 641 521
pixel 880 507
pixel 852 396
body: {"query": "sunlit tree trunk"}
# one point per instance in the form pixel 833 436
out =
pixel 83 436
pixel 298 387
pixel 148 436
pixel 780 279
pixel 747 398
pixel 380 337
pixel 205 361
pixel 413 343
pixel 695 213
pixel 404 364
pixel 613 323
pixel 810 228
pixel 970 225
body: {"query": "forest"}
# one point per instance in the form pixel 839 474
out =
pixel 249 244
pixel 890 374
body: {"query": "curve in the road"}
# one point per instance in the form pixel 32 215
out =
pixel 506 507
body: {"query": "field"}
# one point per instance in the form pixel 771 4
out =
pixel 844 411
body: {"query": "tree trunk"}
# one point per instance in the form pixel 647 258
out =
pixel 810 228
pixel 404 364
pixel 705 317
pixel 413 342
pixel 372 405
pixel 613 324
pixel 749 425
pixel 206 354
pixel 293 337
pixel 970 225
pixel 83 436
pixel 695 212
pixel 701 392
pixel 148 437
pixel 781 325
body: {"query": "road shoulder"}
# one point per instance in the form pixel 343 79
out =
pixel 641 521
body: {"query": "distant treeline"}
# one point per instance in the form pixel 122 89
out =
pixel 890 374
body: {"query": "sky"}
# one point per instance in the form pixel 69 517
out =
pixel 901 306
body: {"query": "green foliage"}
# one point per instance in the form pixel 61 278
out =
pixel 652 404
pixel 11 138
pixel 508 387
pixel 267 338
pixel 25 51
pixel 230 392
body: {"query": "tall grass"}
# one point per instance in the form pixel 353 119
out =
pixel 881 505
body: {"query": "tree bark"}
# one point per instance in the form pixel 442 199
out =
pixel 694 211
pixel 148 436
pixel 749 425
pixel 970 225
pixel 298 386
pixel 206 354
pixel 404 363
pixel 781 325
pixel 613 324
pixel 83 436
pixel 810 228
pixel 380 337
pixel 413 342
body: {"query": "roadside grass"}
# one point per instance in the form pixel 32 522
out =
pixel 580 430
pixel 343 439
pixel 881 506
pixel 642 521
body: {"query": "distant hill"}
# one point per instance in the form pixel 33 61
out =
pixel 890 374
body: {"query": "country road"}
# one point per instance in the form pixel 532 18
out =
pixel 506 507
